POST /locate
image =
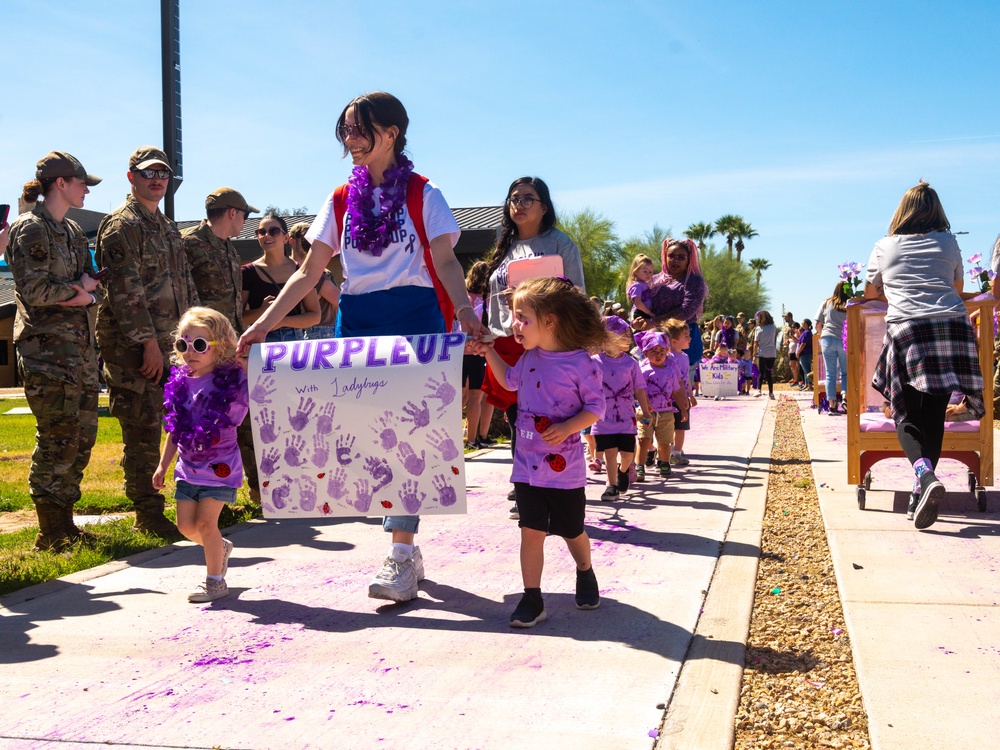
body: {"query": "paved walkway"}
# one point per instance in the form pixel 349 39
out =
pixel 298 656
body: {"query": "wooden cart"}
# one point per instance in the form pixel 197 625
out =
pixel 871 436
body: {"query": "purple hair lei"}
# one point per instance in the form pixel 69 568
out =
pixel 370 232
pixel 197 424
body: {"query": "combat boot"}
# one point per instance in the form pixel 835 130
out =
pixel 149 519
pixel 52 533
pixel 73 531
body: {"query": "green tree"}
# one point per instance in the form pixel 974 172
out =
pixel 728 226
pixel 299 211
pixel 743 232
pixel 732 285
pixel 602 253
pixel 700 233
pixel 759 265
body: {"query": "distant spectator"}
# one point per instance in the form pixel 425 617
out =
pixel 327 292
pixel 830 319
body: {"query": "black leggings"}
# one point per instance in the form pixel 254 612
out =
pixel 922 432
pixel 512 421
pixel 766 367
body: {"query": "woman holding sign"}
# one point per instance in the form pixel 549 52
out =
pixel 395 235
pixel 528 230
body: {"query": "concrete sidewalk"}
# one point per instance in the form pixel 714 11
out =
pixel 297 656
pixel 921 607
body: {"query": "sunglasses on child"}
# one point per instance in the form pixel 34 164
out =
pixel 199 344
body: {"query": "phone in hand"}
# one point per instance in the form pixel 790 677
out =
pixel 4 213
pixel 102 273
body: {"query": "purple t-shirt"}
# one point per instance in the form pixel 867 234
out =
pixel 640 290
pixel 660 383
pixel 572 383
pixel 621 377
pixel 806 337
pixel 220 465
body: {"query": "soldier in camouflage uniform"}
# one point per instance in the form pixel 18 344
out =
pixel 148 287
pixel 215 266
pixel 56 290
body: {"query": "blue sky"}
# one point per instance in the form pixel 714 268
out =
pixel 810 121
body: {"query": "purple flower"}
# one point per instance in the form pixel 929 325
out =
pixel 975 258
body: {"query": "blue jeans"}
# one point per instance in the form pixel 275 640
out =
pixel 834 356
pixel 284 334
pixel 320 332
pixel 805 366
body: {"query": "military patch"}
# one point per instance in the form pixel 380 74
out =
pixel 38 252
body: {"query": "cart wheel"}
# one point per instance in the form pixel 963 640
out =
pixel 861 498
pixel 868 480
pixel 981 499
pixel 972 482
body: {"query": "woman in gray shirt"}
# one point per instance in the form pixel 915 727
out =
pixel 830 321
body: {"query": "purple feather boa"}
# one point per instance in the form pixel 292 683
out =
pixel 371 232
pixel 196 424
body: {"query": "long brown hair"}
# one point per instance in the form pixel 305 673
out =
pixel 919 212
pixel 508 229
pixel 839 297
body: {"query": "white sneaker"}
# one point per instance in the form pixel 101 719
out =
pixel 758 394
pixel 208 591
pixel 227 550
pixel 418 563
pixel 395 581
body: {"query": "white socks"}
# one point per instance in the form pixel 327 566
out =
pixel 401 552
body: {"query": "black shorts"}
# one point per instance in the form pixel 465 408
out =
pixel 624 443
pixel 551 510
pixel 473 371
pixel 680 424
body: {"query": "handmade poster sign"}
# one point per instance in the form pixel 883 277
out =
pixel 719 378
pixel 359 426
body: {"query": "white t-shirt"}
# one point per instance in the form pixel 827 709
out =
pixel 402 262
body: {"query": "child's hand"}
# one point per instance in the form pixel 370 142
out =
pixel 158 477
pixel 693 400
pixel 646 418
pixel 557 433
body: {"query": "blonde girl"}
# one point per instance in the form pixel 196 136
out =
pixel 639 275
pixel 559 329
pixel 204 401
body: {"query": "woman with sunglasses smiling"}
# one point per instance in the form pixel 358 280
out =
pixel 264 279
pixel 395 235
pixel 527 230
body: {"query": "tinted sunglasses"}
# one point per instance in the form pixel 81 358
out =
pixel 199 344
pixel 273 231
pixel 149 174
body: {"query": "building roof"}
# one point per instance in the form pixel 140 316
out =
pixel 7 304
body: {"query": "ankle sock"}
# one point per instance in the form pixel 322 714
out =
pixel 921 466
pixel 214 578
pixel 401 552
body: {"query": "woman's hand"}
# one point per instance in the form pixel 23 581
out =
pixel 89 283
pixel 255 334
pixel 471 325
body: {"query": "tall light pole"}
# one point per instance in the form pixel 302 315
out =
pixel 170 49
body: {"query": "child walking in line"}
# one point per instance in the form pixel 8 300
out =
pixel 663 386
pixel 623 386
pixel 638 291
pixel 204 401
pixel 680 338
pixel 748 372
pixel 559 329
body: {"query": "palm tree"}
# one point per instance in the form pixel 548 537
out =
pixel 729 226
pixel 759 265
pixel 743 232
pixel 700 233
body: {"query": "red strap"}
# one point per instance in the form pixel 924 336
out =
pixel 340 208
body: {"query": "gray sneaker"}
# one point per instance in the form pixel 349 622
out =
pixel 678 459
pixel 396 581
pixel 418 563
pixel 227 550
pixel 209 591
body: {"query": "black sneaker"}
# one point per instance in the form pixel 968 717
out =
pixel 664 468
pixel 485 442
pixel 513 514
pixel 931 494
pixel 588 596
pixel 530 610
pixel 651 458
pixel 610 494
pixel 622 482
pixel 911 507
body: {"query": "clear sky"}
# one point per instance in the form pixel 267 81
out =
pixel 809 120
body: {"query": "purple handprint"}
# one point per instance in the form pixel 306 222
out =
pixel 269 462
pixel 380 471
pixel 261 393
pixel 440 389
pixel 411 503
pixel 321 451
pixel 324 419
pixel 363 501
pixel 419 415
pixel 279 495
pixel 384 428
pixel 293 448
pixel 446 493
pixel 300 419
pixel 266 421
pixel 336 487
pixel 345 444
pixel 444 445
pixel 307 494
pixel 411 461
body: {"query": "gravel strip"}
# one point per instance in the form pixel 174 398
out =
pixel 799 686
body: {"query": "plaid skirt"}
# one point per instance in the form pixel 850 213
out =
pixel 931 355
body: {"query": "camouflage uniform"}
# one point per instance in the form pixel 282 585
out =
pixel 215 268
pixel 56 358
pixel 148 287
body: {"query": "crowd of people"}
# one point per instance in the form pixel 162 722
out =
pixel 626 382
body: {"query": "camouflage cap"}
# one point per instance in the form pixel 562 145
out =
pixel 60 164
pixel 147 156
pixel 226 197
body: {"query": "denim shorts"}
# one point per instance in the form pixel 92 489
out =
pixel 197 492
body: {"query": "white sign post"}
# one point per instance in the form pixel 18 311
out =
pixel 719 379
pixel 359 426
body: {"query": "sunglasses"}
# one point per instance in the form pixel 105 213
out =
pixel 273 231
pixel 149 174
pixel 351 131
pixel 199 344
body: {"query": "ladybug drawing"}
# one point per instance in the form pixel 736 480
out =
pixel 555 461
pixel 265 484
pixel 454 470
pixel 321 475
pixel 542 424
pixel 216 439
pixel 326 509
pixel 221 470
pixel 386 504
